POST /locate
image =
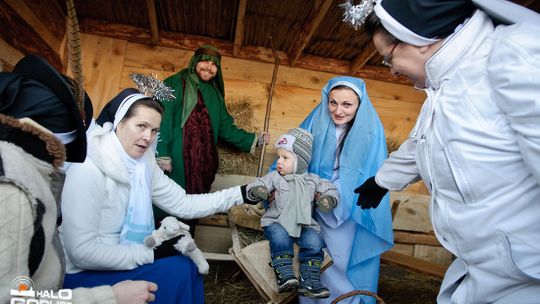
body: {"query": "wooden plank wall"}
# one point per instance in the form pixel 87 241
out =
pixel 108 63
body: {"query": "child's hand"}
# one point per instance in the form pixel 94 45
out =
pixel 259 192
pixel 326 203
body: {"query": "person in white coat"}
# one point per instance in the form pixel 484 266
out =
pixel 476 142
pixel 107 209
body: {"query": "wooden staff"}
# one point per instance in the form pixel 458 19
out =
pixel 269 104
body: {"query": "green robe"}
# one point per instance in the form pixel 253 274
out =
pixel 170 141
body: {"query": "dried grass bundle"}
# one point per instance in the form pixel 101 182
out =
pixel 232 161
pixel 392 144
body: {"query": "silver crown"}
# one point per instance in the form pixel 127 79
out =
pixel 152 87
pixel 356 15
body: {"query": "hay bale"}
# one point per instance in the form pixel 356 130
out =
pixel 232 161
pixel 392 144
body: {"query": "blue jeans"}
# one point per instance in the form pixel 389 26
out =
pixel 310 243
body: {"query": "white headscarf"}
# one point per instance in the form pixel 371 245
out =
pixel 139 220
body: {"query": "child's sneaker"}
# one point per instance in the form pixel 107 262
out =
pixel 310 281
pixel 286 281
pixel 287 284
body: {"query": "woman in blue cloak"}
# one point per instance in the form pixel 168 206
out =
pixel 349 146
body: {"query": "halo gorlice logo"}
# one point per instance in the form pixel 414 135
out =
pixel 22 292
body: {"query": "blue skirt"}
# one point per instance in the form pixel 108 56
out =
pixel 177 278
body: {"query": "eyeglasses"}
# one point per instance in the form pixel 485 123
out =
pixel 387 60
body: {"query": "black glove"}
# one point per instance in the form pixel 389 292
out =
pixel 166 248
pixel 370 194
pixel 244 196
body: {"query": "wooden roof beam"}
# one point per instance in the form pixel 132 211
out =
pixel 310 26
pixel 360 61
pixel 22 36
pixel 240 23
pixel 9 56
pixel 152 19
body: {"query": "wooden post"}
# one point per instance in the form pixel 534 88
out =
pixel 269 104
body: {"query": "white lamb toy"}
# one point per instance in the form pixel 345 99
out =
pixel 170 228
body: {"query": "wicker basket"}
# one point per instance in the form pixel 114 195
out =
pixel 358 292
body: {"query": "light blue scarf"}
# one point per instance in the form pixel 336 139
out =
pixel 363 153
pixel 139 220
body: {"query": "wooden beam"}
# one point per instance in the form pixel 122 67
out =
pixel 310 26
pixel 37 23
pixel 261 54
pixel 417 265
pixel 152 19
pixel 24 38
pixel 360 61
pixel 9 56
pixel 240 23
pixel 219 219
pixel 406 237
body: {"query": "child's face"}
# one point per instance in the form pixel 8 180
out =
pixel 285 162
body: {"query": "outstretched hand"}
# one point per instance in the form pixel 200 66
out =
pixel 370 194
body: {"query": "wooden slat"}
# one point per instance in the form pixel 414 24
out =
pixel 218 256
pixel 415 238
pixel 240 23
pixel 414 264
pixel 103 60
pixel 313 21
pixel 435 254
pixel 16 32
pixel 152 19
pixel 412 213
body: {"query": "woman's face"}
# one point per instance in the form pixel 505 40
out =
pixel 406 59
pixel 138 132
pixel 206 70
pixel 285 162
pixel 342 105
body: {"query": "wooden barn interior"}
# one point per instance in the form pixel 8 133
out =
pixel 158 37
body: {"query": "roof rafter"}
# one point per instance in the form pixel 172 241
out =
pixel 152 19
pixel 360 61
pixel 26 39
pixel 240 23
pixel 310 26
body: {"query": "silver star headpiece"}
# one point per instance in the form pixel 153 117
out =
pixel 355 15
pixel 152 87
